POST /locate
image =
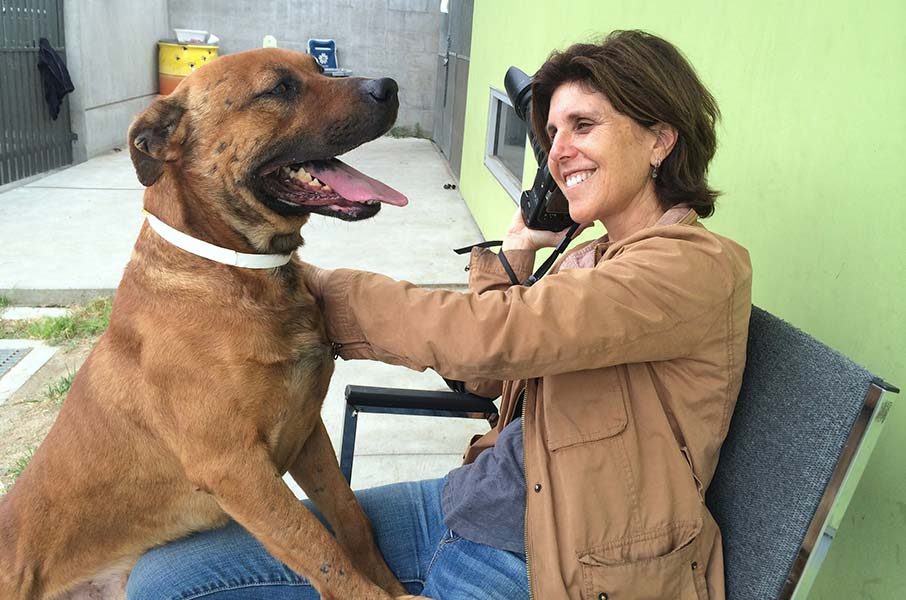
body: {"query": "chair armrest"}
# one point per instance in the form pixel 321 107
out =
pixel 398 401
pixel 432 403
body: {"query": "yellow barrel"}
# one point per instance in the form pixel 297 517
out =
pixel 176 60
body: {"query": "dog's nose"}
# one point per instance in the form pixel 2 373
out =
pixel 382 90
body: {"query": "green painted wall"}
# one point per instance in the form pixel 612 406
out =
pixel 811 162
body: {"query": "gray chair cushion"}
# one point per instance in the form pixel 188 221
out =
pixel 798 403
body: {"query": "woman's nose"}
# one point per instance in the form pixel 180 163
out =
pixel 560 148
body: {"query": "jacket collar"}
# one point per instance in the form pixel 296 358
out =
pixel 588 256
pixel 676 215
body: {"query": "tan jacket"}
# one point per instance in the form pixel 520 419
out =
pixel 631 369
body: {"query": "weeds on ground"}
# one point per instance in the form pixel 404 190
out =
pixel 4 302
pixel 403 131
pixel 83 322
pixel 20 464
pixel 56 392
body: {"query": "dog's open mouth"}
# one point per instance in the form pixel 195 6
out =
pixel 330 187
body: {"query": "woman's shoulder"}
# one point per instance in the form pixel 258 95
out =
pixel 681 246
pixel 688 235
pixel 732 251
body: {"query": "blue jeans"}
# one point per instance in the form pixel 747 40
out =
pixel 429 559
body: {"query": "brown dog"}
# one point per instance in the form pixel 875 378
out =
pixel 208 385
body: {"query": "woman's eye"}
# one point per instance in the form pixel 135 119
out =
pixel 583 125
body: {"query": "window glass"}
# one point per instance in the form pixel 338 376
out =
pixel 509 142
pixel 505 149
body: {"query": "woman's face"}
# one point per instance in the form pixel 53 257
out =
pixel 601 159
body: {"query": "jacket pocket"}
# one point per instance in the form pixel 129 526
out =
pixel 582 407
pixel 676 574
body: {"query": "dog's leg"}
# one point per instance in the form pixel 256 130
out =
pixel 318 474
pixel 249 489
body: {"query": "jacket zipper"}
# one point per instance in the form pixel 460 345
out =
pixel 528 570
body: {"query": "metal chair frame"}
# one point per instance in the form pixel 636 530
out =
pixel 839 492
pixel 428 403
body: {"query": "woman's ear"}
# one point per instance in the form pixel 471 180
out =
pixel 666 136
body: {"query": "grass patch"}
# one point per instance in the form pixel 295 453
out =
pixel 20 464
pixel 84 322
pixel 56 392
pixel 404 131
pixel 4 302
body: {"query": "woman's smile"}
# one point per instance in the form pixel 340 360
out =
pixel 579 177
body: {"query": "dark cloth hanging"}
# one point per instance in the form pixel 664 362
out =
pixel 54 76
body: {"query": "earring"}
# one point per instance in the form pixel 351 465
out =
pixel 654 168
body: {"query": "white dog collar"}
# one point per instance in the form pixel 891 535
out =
pixel 215 253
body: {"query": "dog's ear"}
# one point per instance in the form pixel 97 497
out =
pixel 156 136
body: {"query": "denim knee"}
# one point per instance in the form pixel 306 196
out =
pixel 150 578
pixel 226 563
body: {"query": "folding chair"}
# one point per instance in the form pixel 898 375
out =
pixel 805 423
pixel 325 52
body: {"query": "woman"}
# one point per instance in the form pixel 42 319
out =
pixel 619 370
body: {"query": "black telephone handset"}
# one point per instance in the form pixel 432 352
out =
pixel 543 205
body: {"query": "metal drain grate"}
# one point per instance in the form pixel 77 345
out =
pixel 10 357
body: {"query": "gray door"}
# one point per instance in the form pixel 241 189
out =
pixel 453 80
pixel 30 141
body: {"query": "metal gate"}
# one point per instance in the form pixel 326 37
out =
pixel 453 80
pixel 30 141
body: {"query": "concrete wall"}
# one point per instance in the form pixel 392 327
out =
pixel 112 59
pixel 810 163
pixel 375 38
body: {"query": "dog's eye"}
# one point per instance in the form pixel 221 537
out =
pixel 280 89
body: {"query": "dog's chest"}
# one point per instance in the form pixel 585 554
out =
pixel 305 385
pixel 307 359
pixel 298 386
pixel 309 372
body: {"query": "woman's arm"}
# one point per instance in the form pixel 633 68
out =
pixel 653 301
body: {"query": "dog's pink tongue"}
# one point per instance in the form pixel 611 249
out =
pixel 352 184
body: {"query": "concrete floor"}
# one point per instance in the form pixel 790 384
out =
pixel 66 237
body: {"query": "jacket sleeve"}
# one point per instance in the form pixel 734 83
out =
pixel 654 300
pixel 487 273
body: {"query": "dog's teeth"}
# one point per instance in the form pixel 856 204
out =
pixel 326 188
pixel 302 175
pixel 316 183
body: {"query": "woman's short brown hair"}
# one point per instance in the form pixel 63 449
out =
pixel 647 79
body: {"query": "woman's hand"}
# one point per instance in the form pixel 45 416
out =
pixel 520 237
pixel 315 278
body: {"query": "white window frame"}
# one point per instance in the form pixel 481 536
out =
pixel 510 181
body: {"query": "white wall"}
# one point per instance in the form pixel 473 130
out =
pixel 375 38
pixel 111 54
